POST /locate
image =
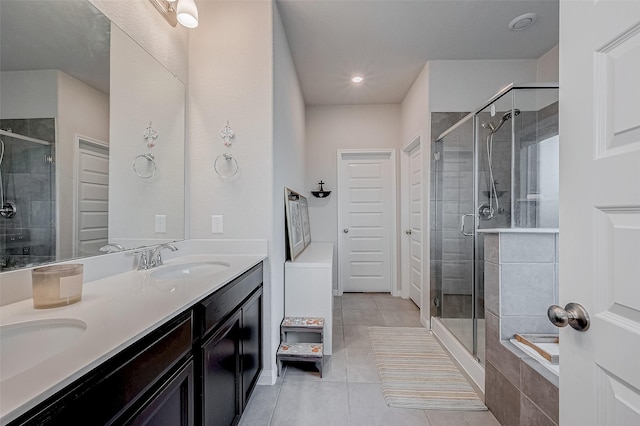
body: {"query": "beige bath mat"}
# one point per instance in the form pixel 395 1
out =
pixel 416 372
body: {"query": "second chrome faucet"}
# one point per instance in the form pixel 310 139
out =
pixel 150 258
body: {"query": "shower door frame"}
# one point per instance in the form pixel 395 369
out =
pixel 470 360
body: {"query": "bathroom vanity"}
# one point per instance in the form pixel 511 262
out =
pixel 179 351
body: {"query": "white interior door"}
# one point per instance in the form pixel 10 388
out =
pixel 93 198
pixel 414 230
pixel 600 210
pixel 366 221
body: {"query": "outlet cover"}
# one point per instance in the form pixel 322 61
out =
pixel 217 224
pixel 161 223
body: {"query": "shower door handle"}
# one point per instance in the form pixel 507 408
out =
pixel 462 220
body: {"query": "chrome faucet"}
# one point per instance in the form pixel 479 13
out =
pixel 155 259
pixel 112 248
pixel 143 262
pixel 150 258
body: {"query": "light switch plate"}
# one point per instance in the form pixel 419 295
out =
pixel 217 224
pixel 161 223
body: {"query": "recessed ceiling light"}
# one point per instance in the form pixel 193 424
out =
pixel 357 79
pixel 523 22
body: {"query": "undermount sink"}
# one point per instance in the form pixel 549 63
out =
pixel 189 270
pixel 24 345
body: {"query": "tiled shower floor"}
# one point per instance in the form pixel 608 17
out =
pixel 349 393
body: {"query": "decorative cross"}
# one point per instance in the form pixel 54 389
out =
pixel 150 136
pixel 227 134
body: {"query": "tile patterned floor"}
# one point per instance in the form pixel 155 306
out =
pixel 349 393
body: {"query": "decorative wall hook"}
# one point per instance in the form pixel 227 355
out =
pixel 321 193
pixel 227 134
pixel 150 136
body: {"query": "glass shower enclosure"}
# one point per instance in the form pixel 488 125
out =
pixel 497 167
pixel 27 195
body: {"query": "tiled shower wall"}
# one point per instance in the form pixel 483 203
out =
pixel 29 182
pixel 452 195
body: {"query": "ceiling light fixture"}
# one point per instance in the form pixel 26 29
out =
pixel 523 22
pixel 186 12
pixel 357 79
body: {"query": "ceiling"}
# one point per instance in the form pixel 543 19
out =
pixel 389 41
pixel 67 35
pixel 386 41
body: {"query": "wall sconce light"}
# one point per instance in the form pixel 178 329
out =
pixel 174 11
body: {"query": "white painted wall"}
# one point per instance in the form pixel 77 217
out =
pixel 288 165
pixel 143 92
pixel 548 66
pixel 333 127
pixel 416 121
pixel 231 79
pixel 82 110
pixel 465 85
pixel 141 20
pixel 29 94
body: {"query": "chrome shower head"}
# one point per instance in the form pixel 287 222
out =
pixel 505 117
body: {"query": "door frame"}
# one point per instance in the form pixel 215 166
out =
pixel 395 290
pixel 405 213
pixel 78 139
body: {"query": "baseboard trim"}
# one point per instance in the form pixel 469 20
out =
pixel 268 377
pixel 472 367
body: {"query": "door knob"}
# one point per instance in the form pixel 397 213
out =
pixel 345 230
pixel 408 232
pixel 573 314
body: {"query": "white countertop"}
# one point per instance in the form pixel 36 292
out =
pixel 118 311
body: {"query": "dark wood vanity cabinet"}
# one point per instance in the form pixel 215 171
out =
pixel 198 369
pixel 119 390
pixel 230 358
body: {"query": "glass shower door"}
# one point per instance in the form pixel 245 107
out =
pixel 28 182
pixel 455 236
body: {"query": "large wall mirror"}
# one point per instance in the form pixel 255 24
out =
pixel 92 137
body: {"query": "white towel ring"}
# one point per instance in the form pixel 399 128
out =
pixel 228 167
pixel 150 159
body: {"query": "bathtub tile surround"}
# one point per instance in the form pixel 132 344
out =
pixel 520 284
pixel 521 273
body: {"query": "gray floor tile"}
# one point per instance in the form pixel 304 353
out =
pixel 401 318
pixel 261 405
pixel 357 336
pixel 361 366
pixel 390 303
pixel 461 418
pixel 362 317
pixel 312 404
pixel 349 393
pixel 338 338
pixel 334 370
pixel 366 302
pixel 368 408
